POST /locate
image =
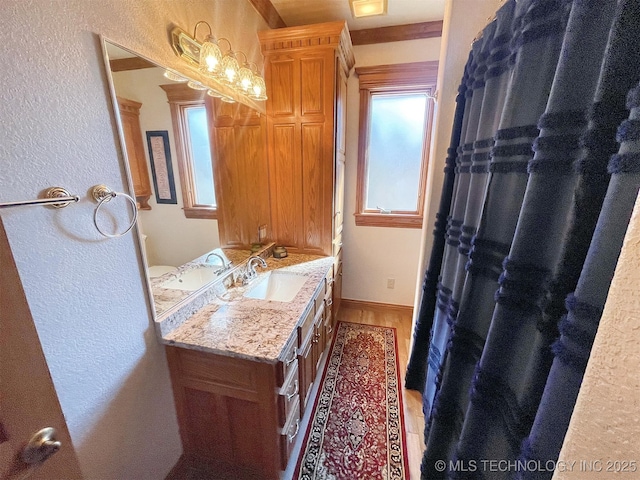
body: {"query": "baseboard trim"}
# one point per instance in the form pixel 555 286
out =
pixel 377 306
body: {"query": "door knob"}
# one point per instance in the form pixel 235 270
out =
pixel 42 445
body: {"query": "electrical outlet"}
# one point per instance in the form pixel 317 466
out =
pixel 391 283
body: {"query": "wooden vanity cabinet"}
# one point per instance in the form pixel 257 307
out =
pixel 241 417
pixel 227 412
pixel 134 144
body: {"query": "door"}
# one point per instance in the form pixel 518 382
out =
pixel 28 401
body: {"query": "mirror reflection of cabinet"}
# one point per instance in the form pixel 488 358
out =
pixel 241 174
pixel 130 118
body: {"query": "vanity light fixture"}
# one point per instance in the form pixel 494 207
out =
pixel 223 68
pixel 368 8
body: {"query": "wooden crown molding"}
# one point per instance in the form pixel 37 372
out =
pixel 129 106
pixel 320 35
pixel 180 92
pixel 133 63
pixel 267 11
pixel 397 33
pixel 401 74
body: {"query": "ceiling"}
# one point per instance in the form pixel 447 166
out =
pixel 399 12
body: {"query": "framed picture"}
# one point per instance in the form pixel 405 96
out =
pixel 161 168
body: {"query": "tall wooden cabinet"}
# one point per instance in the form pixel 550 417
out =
pixel 134 143
pixel 306 71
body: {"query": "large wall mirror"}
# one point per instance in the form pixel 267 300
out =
pixel 165 127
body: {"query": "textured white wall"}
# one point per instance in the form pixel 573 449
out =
pixel 373 254
pixel 86 293
pixel 160 224
pixel 605 425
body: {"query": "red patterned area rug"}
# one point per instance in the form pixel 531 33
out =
pixel 356 429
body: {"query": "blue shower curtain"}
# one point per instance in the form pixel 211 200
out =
pixel 545 91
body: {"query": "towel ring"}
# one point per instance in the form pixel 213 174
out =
pixel 103 194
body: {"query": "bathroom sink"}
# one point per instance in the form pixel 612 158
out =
pixel 193 279
pixel 278 286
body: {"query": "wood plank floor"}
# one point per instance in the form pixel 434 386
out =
pixel 413 417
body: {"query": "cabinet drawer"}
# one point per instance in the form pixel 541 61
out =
pixel 289 362
pixel 306 325
pixel 288 396
pixel 289 434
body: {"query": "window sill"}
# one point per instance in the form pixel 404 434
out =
pixel 210 213
pixel 388 220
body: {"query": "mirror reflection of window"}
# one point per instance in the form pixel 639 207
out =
pixel 200 156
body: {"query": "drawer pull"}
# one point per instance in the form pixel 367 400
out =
pixel 291 437
pixel 296 390
pixel 332 281
pixel 292 359
pixel 330 331
pixel 329 302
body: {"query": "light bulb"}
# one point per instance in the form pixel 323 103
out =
pixel 245 79
pixel 229 68
pixel 210 57
pixel 259 89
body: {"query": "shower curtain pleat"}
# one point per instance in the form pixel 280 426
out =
pixel 416 368
pixel 445 301
pixel 538 129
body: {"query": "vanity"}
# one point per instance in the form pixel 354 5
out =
pixel 242 367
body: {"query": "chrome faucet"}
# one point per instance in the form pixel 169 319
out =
pixel 251 267
pixel 225 266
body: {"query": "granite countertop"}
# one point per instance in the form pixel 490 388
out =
pixel 233 325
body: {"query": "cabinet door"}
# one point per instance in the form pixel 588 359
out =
pixel 301 148
pixel 306 370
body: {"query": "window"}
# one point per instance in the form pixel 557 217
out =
pixel 193 148
pixel 396 109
